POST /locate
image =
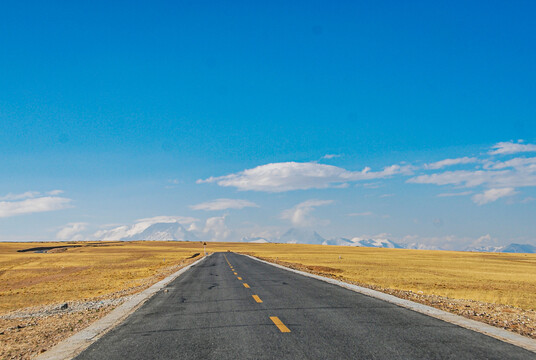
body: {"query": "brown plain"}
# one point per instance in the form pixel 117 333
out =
pixel 90 271
pixel 29 279
pixel 508 279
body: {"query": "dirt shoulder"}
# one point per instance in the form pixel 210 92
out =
pixel 506 317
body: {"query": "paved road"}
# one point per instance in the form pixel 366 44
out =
pixel 210 312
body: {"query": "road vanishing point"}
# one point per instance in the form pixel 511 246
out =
pixel 230 306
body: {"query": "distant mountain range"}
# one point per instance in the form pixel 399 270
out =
pixel 164 231
pixel 512 248
pixel 173 230
pixel 255 240
pixel 301 236
pixel 306 236
pixel 150 231
pixel 379 243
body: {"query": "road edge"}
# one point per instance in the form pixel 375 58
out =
pixel 74 345
pixel 492 331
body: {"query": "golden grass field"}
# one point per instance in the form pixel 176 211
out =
pixel 95 269
pixel 29 279
pixel 103 270
pixel 508 279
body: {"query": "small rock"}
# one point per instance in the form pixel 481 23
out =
pixel 64 306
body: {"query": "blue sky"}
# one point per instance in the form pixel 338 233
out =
pixel 125 106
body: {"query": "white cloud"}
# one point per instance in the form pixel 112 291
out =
pixel 520 177
pixel 33 205
pixel 223 204
pixel 484 241
pixel 451 162
pixel 126 231
pixel 366 213
pixel 507 148
pixel 492 195
pixel 26 195
pixel 183 220
pixel 55 192
pixel 300 216
pixel 330 156
pixel 216 229
pixel 466 177
pixel 71 231
pixel 517 163
pixel 279 177
pixel 463 193
pixel 501 178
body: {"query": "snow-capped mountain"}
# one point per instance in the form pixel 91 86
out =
pixel 301 236
pixel 259 241
pixel 255 240
pixel 379 243
pixel 339 242
pixel 150 229
pixel 485 249
pixel 164 231
pixel 305 236
pixel 512 248
pixel 419 246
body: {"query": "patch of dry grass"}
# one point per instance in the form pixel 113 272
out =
pixel 499 288
pixel 508 279
pixel 89 271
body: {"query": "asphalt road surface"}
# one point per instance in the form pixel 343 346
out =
pixel 232 307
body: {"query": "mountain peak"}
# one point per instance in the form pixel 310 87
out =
pixel 165 230
pixel 301 236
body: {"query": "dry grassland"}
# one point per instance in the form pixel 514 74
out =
pixel 494 288
pixel 498 288
pixel 93 278
pixel 92 270
pixel 508 279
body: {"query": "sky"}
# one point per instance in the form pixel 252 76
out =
pixel 413 121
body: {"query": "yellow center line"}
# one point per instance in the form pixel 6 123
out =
pixel 239 278
pixel 257 298
pixel 279 324
pixel 245 285
pixel 235 273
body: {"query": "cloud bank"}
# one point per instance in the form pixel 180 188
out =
pixel 31 202
pixel 72 231
pixel 288 176
pixel 450 162
pixel 300 215
pixel 508 148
